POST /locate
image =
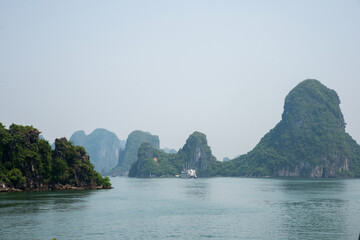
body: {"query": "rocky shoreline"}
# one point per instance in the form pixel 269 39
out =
pixel 56 187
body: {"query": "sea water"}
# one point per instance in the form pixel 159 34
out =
pixel 203 208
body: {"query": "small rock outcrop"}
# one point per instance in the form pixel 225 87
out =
pixel 226 159
pixel 168 150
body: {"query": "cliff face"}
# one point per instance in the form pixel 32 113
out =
pixel 309 141
pixel 145 163
pixel 28 163
pixel 102 145
pixel 130 154
pixel 195 154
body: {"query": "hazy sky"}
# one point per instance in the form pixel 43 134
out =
pixel 173 67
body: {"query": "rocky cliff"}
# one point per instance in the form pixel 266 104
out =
pixel 102 145
pixel 146 163
pixel 309 141
pixel 195 154
pixel 130 154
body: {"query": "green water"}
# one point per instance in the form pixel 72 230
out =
pixel 214 208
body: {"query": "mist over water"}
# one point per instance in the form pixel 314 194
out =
pixel 216 208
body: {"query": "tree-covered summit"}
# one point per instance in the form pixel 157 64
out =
pixel 195 154
pixel 310 100
pixel 28 163
pixel 129 154
pixel 309 141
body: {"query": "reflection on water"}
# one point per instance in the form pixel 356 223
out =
pixel 196 189
pixel 39 215
pixel 313 209
pixel 35 202
pixel 309 186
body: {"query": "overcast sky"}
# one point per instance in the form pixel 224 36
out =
pixel 173 67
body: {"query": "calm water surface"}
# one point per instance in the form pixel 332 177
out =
pixel 216 208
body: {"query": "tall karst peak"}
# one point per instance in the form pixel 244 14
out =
pixel 129 154
pixel 102 145
pixel 309 141
pixel 311 100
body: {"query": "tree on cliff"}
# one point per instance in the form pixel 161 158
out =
pixel 27 162
pixel 196 154
pixel 130 154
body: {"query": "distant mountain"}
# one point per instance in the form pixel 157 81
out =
pixel 122 144
pixel 102 146
pixel 225 159
pixel 309 141
pixel 195 154
pixel 168 150
pixel 130 153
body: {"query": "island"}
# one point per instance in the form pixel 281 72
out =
pixel 195 154
pixel 27 163
pixel 309 141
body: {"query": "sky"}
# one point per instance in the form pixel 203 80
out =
pixel 171 68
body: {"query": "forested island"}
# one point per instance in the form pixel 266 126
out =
pixel 195 154
pixel 309 141
pixel 27 162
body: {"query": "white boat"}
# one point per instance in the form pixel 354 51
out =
pixel 192 173
pixel 189 173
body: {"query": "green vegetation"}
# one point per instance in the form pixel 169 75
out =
pixel 195 154
pixel 309 141
pixel 153 162
pixel 130 154
pixel 28 163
